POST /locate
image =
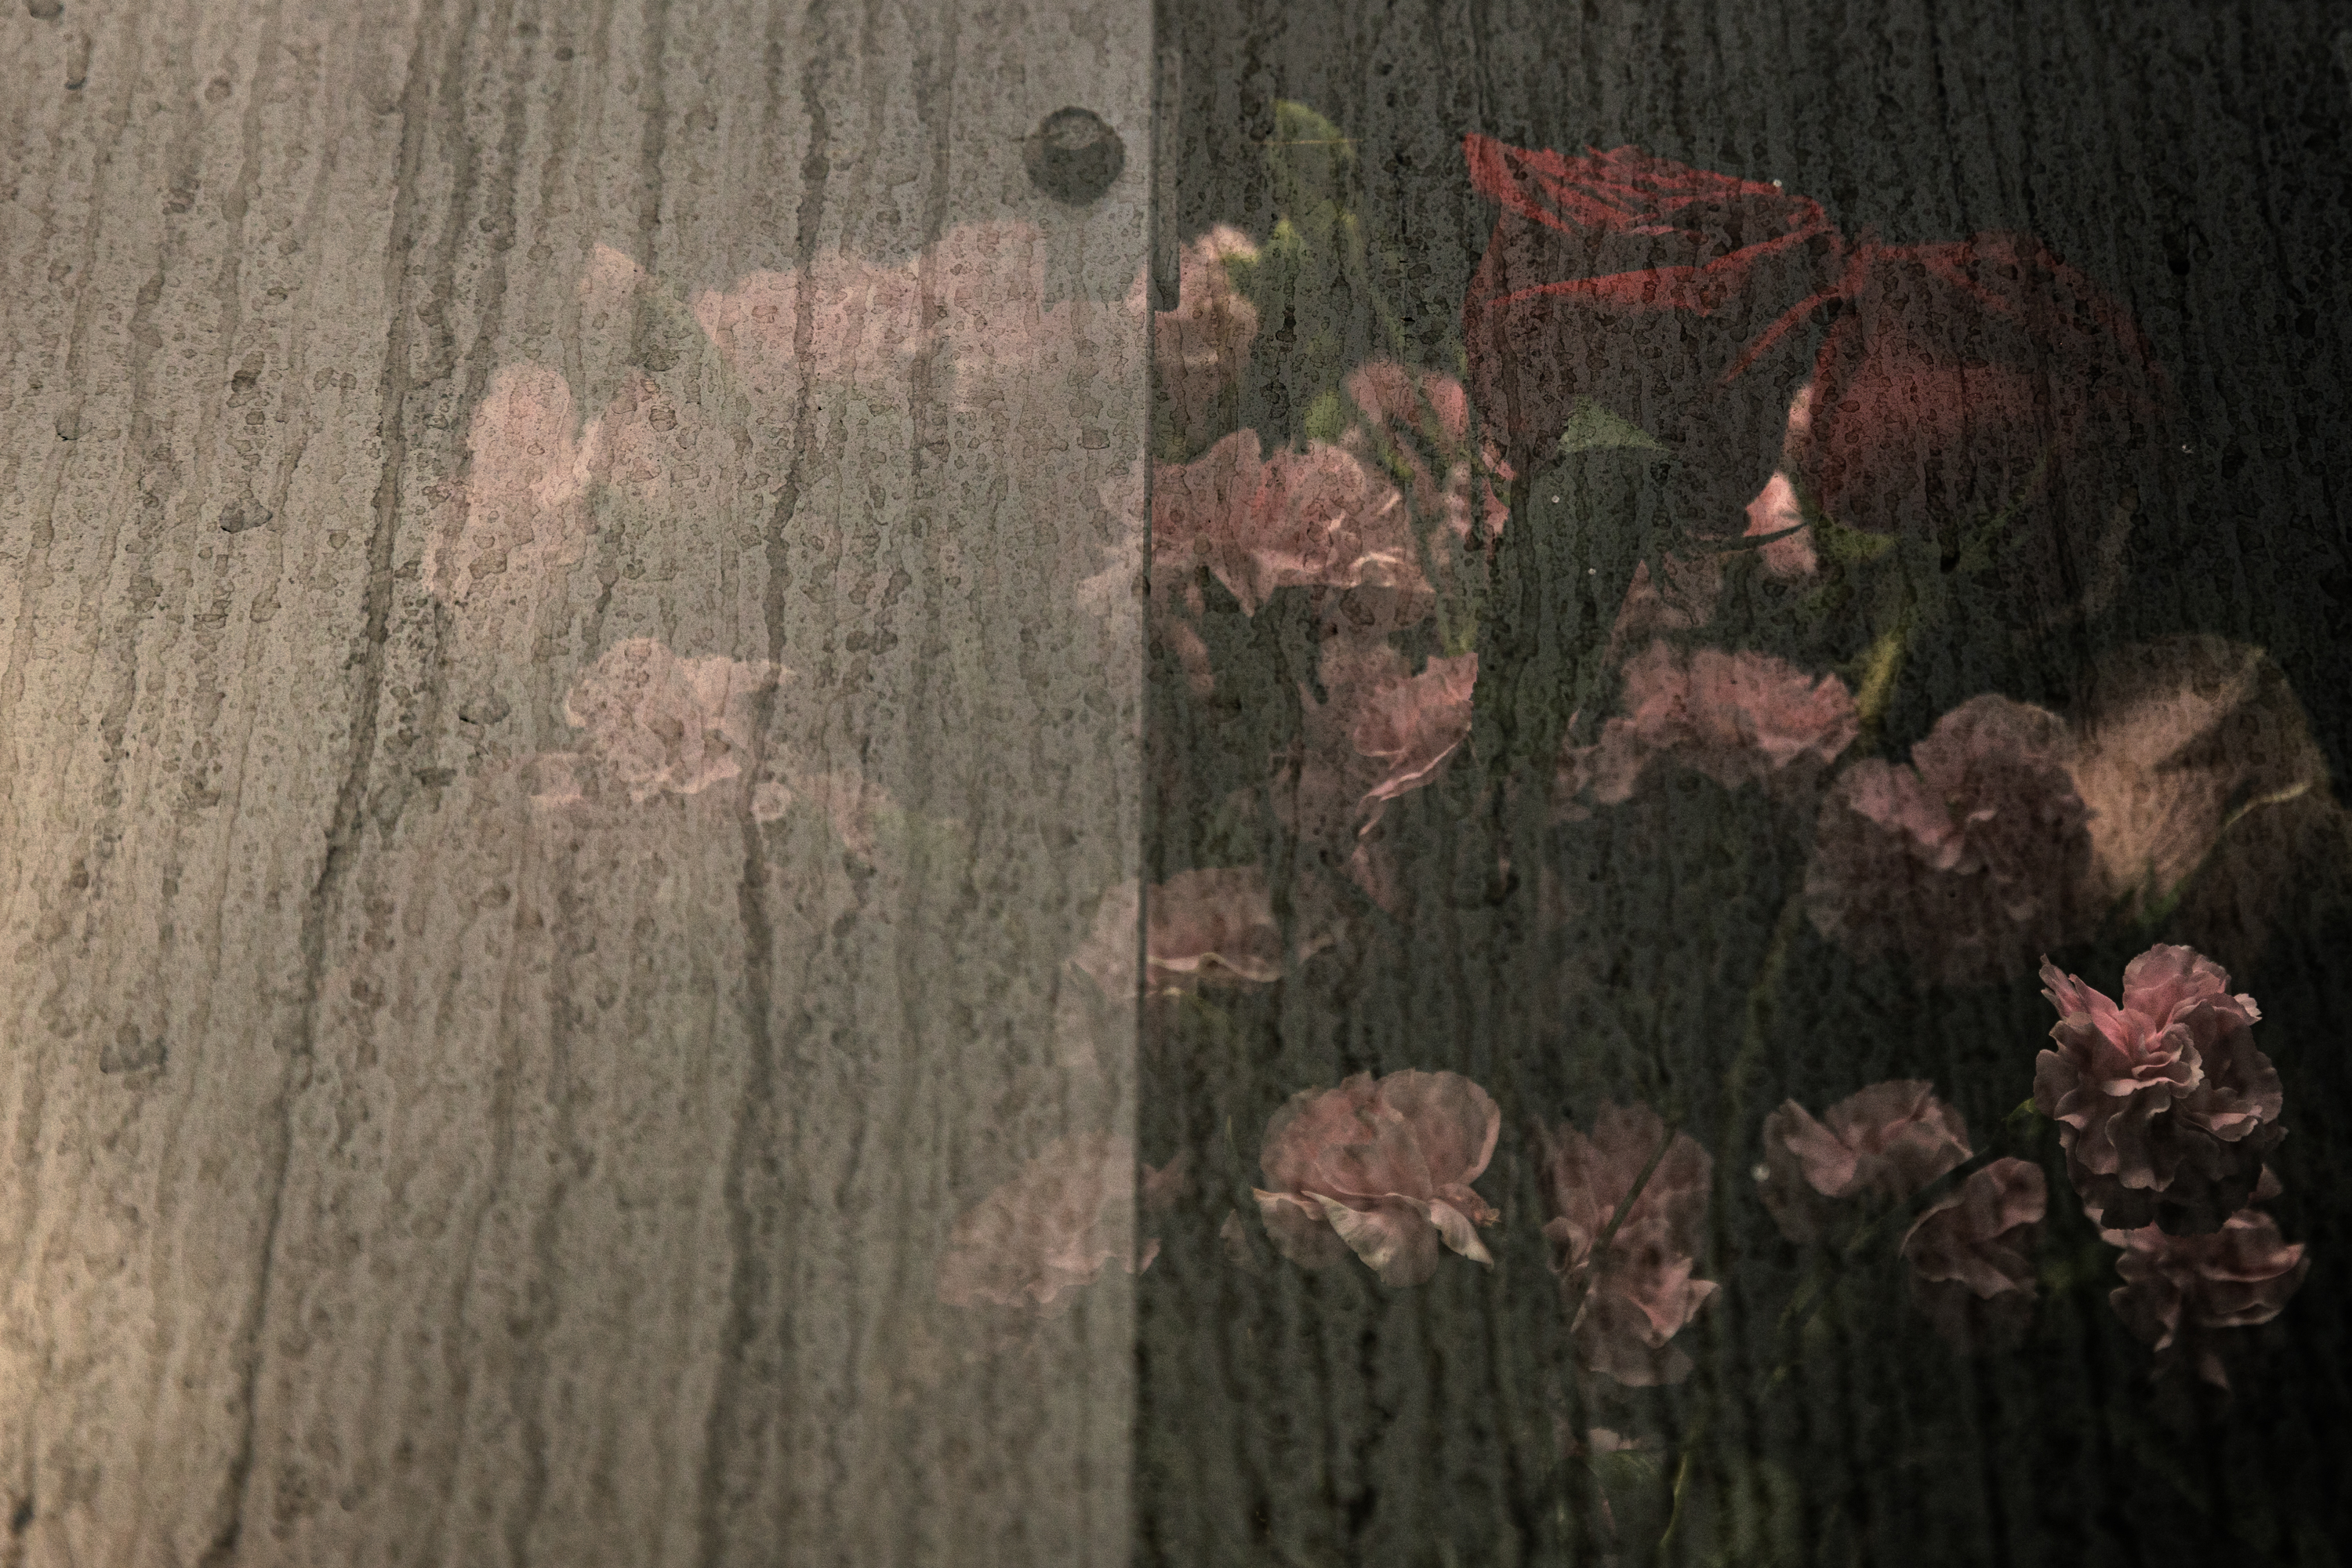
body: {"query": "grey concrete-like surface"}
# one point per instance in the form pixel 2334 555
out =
pixel 567 686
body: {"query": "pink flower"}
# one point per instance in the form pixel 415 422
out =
pixel 662 723
pixel 1971 1254
pixel 1201 346
pixel 1416 426
pixel 1789 556
pixel 2165 1104
pixel 1407 729
pixel 1632 1294
pixel 989 326
pixel 519 512
pixel 1738 717
pixel 1211 926
pixel 2179 1292
pixel 1886 1141
pixel 1680 598
pixel 1321 517
pixel 1381 1168
pixel 1039 1236
pixel 1971 860
pixel 1379 732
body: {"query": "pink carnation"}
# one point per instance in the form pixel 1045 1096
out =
pixel 1971 860
pixel 1738 717
pixel 2166 1105
pixel 1049 1230
pixel 1320 518
pixel 1888 1141
pixel 1971 1254
pixel 1379 732
pixel 1417 425
pixel 2179 1292
pixel 1633 1295
pixel 1381 1168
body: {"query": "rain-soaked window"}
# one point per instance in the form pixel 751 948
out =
pixel 1174 782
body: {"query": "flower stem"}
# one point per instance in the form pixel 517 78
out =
pixel 1880 669
pixel 1682 1484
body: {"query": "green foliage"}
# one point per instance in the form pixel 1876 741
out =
pixel 1592 425
pixel 1313 166
pixel 1329 416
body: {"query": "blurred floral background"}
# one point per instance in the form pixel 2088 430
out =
pixel 1745 713
pixel 1745 858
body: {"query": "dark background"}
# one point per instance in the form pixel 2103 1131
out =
pixel 2191 158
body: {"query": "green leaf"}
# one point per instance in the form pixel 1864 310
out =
pixel 1592 426
pixel 1312 163
pixel 1327 417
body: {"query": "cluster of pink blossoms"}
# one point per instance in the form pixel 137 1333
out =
pixel 1970 1251
pixel 2165 1108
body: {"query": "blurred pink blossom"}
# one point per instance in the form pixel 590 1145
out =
pixel 1680 598
pixel 1038 1237
pixel 1971 1254
pixel 1409 728
pixel 1886 1141
pixel 662 723
pixel 2166 1105
pixel 1199 347
pixel 1210 926
pixel 519 510
pixel 972 302
pixel 1789 557
pixel 1379 732
pixel 1738 717
pixel 2180 1293
pixel 1971 860
pixel 1415 425
pixel 1634 1293
pixel 1381 1168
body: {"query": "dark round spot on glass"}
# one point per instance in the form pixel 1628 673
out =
pixel 1073 156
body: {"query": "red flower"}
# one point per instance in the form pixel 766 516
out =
pixel 1967 376
pixel 1669 294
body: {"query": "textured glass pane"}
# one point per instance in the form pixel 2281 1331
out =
pixel 568 685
